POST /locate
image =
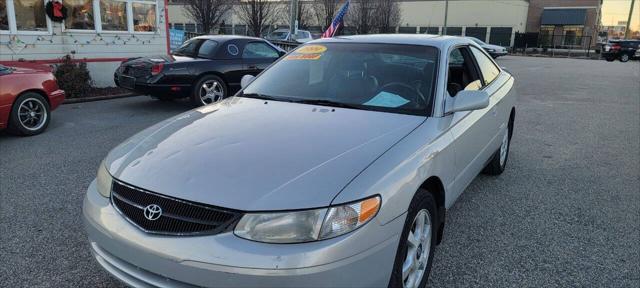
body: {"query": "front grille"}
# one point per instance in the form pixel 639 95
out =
pixel 178 217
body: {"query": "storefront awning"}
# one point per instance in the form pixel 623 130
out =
pixel 564 17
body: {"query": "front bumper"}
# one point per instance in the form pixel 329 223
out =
pixel 363 258
pixel 497 54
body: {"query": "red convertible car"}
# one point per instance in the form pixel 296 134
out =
pixel 28 93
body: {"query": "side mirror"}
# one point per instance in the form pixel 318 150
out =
pixel 246 80
pixel 467 100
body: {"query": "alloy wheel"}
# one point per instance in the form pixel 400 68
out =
pixel 32 114
pixel 211 92
pixel 418 249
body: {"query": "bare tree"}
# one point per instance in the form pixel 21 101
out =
pixel 304 14
pixel 207 13
pixel 361 16
pixel 387 16
pixel 325 10
pixel 256 14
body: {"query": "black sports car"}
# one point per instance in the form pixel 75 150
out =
pixel 204 68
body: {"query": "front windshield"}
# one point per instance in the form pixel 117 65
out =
pixel 381 77
pixel 278 35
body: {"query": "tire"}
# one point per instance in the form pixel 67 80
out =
pixel 610 59
pixel 498 161
pixel 200 96
pixel 625 57
pixel 422 204
pixel 30 115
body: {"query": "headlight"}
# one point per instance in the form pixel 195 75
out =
pixel 308 225
pixel 103 180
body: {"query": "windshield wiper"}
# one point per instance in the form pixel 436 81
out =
pixel 322 102
pixel 263 97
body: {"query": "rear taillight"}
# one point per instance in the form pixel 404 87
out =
pixel 615 47
pixel 156 68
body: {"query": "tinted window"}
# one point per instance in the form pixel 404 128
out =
pixel 380 77
pixel 487 67
pixel 259 50
pixel 207 48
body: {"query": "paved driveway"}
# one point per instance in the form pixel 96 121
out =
pixel 565 213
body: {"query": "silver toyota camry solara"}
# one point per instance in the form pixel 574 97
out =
pixel 332 168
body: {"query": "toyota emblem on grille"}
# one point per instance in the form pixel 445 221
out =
pixel 152 212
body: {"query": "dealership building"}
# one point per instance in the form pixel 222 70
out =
pixel 99 32
pixel 489 20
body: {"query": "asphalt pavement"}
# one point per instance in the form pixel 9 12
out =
pixel 566 212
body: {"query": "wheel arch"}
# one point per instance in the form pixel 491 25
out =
pixel 435 186
pixel 207 73
pixel 34 90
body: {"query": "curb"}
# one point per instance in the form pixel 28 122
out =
pixel 99 98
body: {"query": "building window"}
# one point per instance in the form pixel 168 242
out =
pixel 144 16
pixel 79 15
pixel 113 15
pixel 30 15
pixel 4 19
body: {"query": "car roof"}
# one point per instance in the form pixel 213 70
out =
pixel 438 41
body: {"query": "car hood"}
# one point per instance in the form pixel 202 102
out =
pixel 254 155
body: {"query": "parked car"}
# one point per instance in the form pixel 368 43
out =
pixel 205 68
pixel 494 50
pixel 302 36
pixel 624 50
pixel 332 168
pixel 28 94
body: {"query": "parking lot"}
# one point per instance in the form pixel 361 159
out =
pixel 565 213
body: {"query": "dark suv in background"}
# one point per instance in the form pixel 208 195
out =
pixel 624 50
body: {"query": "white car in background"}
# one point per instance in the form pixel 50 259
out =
pixel 302 36
pixel 494 50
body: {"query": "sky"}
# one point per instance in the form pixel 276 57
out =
pixel 618 10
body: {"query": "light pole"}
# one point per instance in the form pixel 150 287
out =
pixel 626 30
pixel 446 10
pixel 293 19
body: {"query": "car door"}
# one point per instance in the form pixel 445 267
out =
pixel 257 56
pixel 473 131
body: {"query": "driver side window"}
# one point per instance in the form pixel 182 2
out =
pixel 462 72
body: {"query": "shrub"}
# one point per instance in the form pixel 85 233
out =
pixel 73 78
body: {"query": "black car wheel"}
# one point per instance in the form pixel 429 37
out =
pixel 624 57
pixel 209 89
pixel 610 59
pixel 29 115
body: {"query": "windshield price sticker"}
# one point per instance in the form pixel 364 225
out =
pixel 303 57
pixel 311 49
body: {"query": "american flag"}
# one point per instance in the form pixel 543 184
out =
pixel 335 24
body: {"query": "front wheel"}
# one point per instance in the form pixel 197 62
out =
pixel 209 89
pixel 624 58
pixel 499 161
pixel 414 256
pixel 29 115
